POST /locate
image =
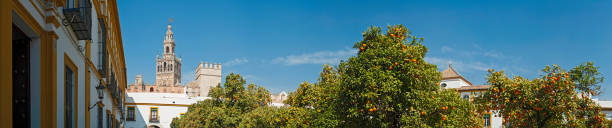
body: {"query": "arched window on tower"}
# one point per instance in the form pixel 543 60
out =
pixel 151 89
pixel 167 49
pixel 164 66
pixel 171 68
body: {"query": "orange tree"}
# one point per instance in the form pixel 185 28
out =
pixel 318 99
pixel 556 99
pixel 388 84
pixel 227 106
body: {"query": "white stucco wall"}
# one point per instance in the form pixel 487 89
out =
pixel 169 105
pixel 453 83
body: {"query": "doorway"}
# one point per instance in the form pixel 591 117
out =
pixel 21 78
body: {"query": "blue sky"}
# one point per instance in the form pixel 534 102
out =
pixel 279 44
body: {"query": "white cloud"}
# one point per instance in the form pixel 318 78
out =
pixel 477 59
pixel 476 51
pixel 446 49
pixel 236 61
pixel 320 57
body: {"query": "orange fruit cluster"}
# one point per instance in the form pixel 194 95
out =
pixel 372 109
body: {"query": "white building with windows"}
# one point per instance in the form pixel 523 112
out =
pixel 452 80
pixel 62 64
pixel 156 110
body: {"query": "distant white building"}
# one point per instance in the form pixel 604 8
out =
pixel 452 80
pixel 606 107
pixel 154 105
pixel 156 110
pixel 278 99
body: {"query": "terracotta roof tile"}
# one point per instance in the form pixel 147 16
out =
pixel 450 73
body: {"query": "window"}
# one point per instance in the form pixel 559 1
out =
pixel 167 49
pixel 487 120
pixel 108 120
pixel 130 113
pixel 466 96
pixel 68 97
pixel 100 117
pixel 443 85
pixel 153 115
pixel 70 85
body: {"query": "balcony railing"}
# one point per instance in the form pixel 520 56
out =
pixel 77 14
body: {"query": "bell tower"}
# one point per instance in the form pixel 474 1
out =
pixel 168 67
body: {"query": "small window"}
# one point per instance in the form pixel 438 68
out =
pixel 487 120
pixel 443 85
pixel 465 97
pixel 130 113
pixel 154 117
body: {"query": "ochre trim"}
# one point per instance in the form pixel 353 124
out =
pixel 156 113
pixel 68 62
pixel 27 17
pixel 490 118
pixel 127 117
pixel 158 104
pixel 53 20
pixel 36 8
pixel 87 88
pixel 60 3
pixel 475 90
pixel 48 77
pixel 606 109
pixel 6 76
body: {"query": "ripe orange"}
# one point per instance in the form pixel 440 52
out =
pixel 396 63
pixel 443 118
pixel 390 67
pixel 371 110
pixel 393 35
pixel 363 45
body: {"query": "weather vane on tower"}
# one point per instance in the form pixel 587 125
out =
pixel 170 20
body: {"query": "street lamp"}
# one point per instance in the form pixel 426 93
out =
pixel 100 90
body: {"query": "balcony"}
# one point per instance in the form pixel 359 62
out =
pixel 77 14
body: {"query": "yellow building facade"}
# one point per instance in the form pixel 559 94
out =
pixel 62 64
